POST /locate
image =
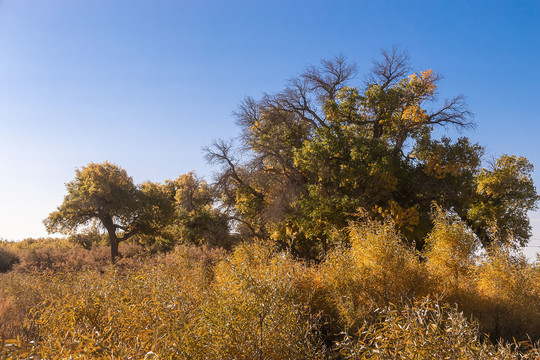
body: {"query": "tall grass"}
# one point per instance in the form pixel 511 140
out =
pixel 373 299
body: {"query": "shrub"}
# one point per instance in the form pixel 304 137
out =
pixel 424 330
pixel 7 260
pixel 509 289
pixel 257 309
pixel 257 302
pixel 19 293
pixel 75 258
pixel 450 254
pixel 377 268
pixel 126 312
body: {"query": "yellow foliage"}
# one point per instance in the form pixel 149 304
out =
pixel 403 218
pixel 425 84
pixel 366 300
pixel 414 114
pixel 509 287
pixel 450 254
pixel 377 269
pixel 258 309
pixel 424 329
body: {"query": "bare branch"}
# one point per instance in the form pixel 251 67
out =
pixel 453 112
pixel 331 76
pixel 393 66
pixel 219 152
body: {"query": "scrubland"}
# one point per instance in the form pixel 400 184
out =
pixel 373 297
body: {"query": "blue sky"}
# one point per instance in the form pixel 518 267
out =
pixel 147 84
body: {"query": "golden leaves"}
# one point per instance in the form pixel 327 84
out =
pixel 425 84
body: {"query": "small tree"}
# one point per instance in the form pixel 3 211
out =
pixel 505 195
pixel 104 193
pixel 197 220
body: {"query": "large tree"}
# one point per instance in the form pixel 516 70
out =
pixel 311 155
pixel 104 193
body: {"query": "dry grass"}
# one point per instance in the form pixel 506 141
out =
pixel 373 299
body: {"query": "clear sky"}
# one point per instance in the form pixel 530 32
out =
pixel 147 84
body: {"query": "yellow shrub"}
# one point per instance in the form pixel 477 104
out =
pixel 509 287
pixel 257 309
pixel 18 294
pixel 450 254
pixel 377 269
pixel 259 303
pixel 424 330
pixel 390 269
pixel 125 313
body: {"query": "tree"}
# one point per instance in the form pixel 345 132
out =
pixel 104 193
pixel 196 219
pixel 505 194
pixel 319 150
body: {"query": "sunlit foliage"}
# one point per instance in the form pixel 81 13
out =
pixel 425 330
pixel 197 220
pixel 105 195
pixel 451 251
pixel 506 194
pixel 377 268
pixel 346 231
pixel 366 300
pixel 311 155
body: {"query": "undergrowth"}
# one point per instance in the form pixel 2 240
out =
pixel 375 298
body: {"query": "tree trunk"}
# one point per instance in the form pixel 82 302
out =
pixel 114 248
pixel 107 222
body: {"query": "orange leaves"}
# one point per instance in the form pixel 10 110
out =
pixel 425 84
pixel 415 115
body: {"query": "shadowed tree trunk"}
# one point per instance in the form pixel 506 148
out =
pixel 107 222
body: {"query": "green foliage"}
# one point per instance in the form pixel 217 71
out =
pixel 98 190
pixel 197 220
pixel 321 149
pixel 88 238
pixel 506 194
pixel 349 177
pixel 104 194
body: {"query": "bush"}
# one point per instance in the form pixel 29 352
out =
pixel 257 302
pixel 375 270
pixel 19 293
pixel 258 310
pixel 425 330
pixel 509 288
pixel 451 258
pixel 149 307
pixel 75 258
pixel 7 260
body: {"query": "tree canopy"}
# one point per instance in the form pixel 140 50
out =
pixel 104 193
pixel 313 154
pixel 196 219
